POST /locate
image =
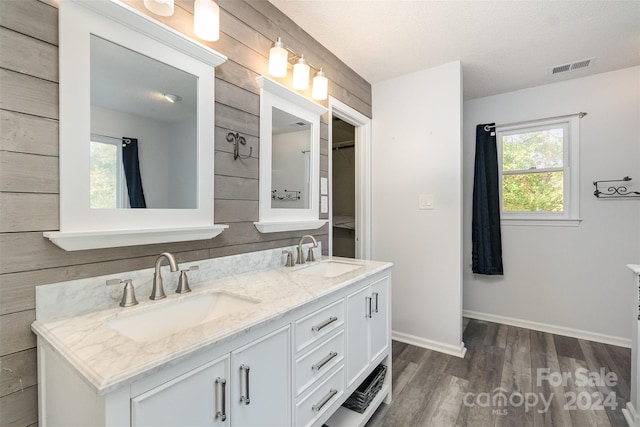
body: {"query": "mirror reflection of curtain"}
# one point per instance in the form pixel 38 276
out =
pixel 131 165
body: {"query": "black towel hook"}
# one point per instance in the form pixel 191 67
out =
pixel 236 140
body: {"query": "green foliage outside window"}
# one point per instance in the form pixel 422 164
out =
pixel 104 175
pixel 527 183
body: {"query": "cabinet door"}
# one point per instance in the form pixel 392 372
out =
pixel 192 399
pixel 357 333
pixel 261 382
pixel 379 322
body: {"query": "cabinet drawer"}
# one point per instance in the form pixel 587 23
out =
pixel 320 399
pixel 319 324
pixel 319 361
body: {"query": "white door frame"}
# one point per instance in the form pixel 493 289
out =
pixel 362 144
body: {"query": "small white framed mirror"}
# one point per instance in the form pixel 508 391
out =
pixel 289 159
pixel 136 130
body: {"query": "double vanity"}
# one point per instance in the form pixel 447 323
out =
pixel 255 343
pixel 244 340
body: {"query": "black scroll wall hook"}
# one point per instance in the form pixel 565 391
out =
pixel 236 140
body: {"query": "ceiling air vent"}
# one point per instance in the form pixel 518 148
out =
pixel 576 65
pixel 560 68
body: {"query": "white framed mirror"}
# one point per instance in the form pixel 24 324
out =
pixel 136 130
pixel 289 159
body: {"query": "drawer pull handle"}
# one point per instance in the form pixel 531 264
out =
pixel 324 361
pixel 327 322
pixel 375 294
pixel 222 414
pixel 324 400
pixel 245 398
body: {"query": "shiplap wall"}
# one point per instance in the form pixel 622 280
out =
pixel 29 192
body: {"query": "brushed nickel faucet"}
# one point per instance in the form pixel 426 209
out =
pixel 301 253
pixel 158 290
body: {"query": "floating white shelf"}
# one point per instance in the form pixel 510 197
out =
pixel 277 226
pixel 81 240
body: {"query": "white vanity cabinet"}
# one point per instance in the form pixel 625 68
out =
pixel 196 398
pixel 368 331
pixel 296 369
pixel 260 382
pixel 249 387
pixel 319 362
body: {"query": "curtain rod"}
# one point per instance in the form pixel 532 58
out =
pixel 107 136
pixel 487 128
pixel 119 138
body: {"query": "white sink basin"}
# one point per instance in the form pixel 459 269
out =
pixel 169 317
pixel 329 268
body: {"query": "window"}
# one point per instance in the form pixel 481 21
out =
pixel 107 185
pixel 538 167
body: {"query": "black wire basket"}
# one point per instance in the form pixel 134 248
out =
pixel 364 394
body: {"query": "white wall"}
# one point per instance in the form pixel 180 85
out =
pixel 572 280
pixel 183 164
pixel 417 149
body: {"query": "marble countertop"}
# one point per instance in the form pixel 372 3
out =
pixel 108 360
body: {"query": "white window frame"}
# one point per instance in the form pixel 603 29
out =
pixel 571 168
pixel 121 183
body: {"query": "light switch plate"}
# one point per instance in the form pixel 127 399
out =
pixel 324 204
pixel 425 201
pixel 324 187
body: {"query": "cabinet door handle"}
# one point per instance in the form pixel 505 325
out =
pixel 324 400
pixel 327 322
pixel 222 414
pixel 368 305
pixel 375 294
pixel 324 361
pixel 245 398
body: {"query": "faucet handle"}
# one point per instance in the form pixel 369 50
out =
pixel 310 256
pixel 289 262
pixel 183 283
pixel 128 294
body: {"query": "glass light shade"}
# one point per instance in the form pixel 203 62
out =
pixel 160 7
pixel 320 86
pixel 301 74
pixel 278 57
pixel 206 20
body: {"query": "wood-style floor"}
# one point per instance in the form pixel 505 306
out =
pixel 501 367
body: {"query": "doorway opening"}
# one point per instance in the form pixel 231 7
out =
pixel 343 188
pixel 349 181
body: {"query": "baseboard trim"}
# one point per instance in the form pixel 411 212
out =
pixel 553 329
pixel 630 414
pixel 458 351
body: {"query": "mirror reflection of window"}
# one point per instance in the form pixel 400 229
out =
pixel 290 161
pixel 138 96
pixel 107 183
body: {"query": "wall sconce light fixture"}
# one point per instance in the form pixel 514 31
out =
pixel 206 16
pixel 206 20
pixel 279 60
pixel 320 86
pixel 160 7
pixel 301 74
pixel 278 57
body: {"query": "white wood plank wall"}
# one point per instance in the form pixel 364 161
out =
pixel 29 191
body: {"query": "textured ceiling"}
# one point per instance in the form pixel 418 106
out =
pixel 503 45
